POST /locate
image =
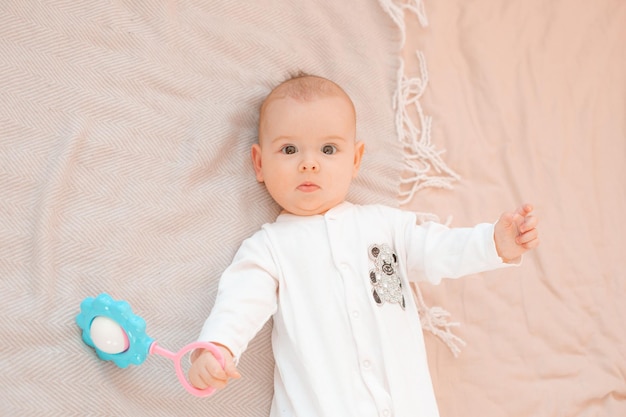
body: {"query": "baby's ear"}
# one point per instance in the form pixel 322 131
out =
pixel 359 148
pixel 255 152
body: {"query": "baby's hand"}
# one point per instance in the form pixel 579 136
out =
pixel 516 233
pixel 206 371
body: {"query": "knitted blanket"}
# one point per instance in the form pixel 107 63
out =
pixel 125 168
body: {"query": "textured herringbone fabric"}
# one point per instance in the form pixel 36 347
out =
pixel 125 130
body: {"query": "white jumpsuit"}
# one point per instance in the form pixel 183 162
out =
pixel 347 339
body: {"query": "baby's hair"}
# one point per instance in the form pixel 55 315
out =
pixel 303 86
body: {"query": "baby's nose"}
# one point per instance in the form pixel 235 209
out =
pixel 309 166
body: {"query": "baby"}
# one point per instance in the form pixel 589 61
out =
pixel 335 276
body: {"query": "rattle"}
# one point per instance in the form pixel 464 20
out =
pixel 118 335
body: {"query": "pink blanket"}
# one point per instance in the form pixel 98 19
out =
pixel 529 100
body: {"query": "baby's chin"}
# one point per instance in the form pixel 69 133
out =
pixel 306 210
pixel 297 212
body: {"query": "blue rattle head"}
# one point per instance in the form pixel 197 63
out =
pixel 111 328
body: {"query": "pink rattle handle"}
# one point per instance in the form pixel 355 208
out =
pixel 178 356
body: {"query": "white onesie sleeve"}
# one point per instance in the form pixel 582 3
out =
pixel 436 251
pixel 246 297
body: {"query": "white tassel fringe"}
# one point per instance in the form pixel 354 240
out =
pixel 424 163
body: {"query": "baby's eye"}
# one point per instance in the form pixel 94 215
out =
pixel 288 149
pixel 329 149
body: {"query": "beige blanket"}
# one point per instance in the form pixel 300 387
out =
pixel 125 130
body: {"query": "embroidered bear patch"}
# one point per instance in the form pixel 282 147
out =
pixel 386 284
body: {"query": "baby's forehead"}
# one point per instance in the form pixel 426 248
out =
pixel 305 90
pixel 333 116
pixel 275 109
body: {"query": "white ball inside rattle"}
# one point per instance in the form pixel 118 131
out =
pixel 108 336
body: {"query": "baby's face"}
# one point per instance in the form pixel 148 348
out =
pixel 307 153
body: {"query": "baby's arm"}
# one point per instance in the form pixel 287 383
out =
pixel 206 371
pixel 246 299
pixel 516 233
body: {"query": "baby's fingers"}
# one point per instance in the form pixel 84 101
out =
pixel 206 371
pixel 529 223
pixel 202 379
pixel 525 209
pixel 231 370
pixel 213 377
pixel 198 380
pixel 529 239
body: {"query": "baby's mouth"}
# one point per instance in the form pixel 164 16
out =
pixel 308 187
